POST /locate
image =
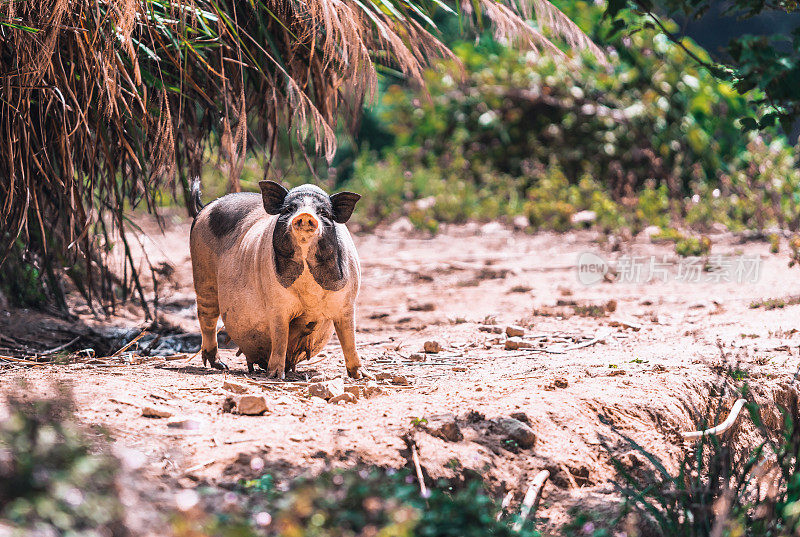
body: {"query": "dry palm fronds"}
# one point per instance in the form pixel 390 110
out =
pixel 106 103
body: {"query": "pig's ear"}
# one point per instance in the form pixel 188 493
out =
pixel 273 195
pixel 343 205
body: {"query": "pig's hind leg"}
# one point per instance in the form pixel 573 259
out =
pixel 207 315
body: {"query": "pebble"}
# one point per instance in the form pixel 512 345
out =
pixel 372 389
pixel 432 347
pixel 355 390
pixel 445 427
pixel 521 222
pixel 583 217
pixel 153 412
pixel 491 329
pixel 383 376
pixel 515 331
pixel 521 416
pixel 517 431
pixel 251 405
pixel 400 380
pixel 514 343
pixel 616 372
pixel 416 357
pixel 234 387
pixel 229 404
pixel 328 389
pixel 345 397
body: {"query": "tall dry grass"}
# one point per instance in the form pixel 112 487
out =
pixel 104 103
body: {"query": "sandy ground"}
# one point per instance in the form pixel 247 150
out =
pixel 662 350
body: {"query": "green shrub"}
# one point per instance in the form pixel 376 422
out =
pixel 651 141
pixel 358 502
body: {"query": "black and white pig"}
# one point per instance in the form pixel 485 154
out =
pixel 282 270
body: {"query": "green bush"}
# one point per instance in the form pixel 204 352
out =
pixel 357 502
pixel 655 138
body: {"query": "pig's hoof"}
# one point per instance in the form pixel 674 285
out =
pixel 219 364
pixel 358 373
pixel 210 358
pixel 276 372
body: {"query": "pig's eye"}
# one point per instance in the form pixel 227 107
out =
pixel 325 214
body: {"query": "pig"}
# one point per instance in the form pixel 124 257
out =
pixel 282 271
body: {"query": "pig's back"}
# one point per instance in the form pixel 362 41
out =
pixel 219 225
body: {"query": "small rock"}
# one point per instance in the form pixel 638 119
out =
pixel 234 387
pixel 416 357
pixel 402 225
pixel 251 405
pixel 317 378
pixel 400 380
pixel 345 397
pixel 515 331
pixel 459 369
pixel 517 431
pixel 327 389
pixel 616 372
pixel 491 227
pixel 560 382
pixel 383 376
pixel 521 416
pixel 521 222
pixel 355 390
pixel 432 347
pixel 514 343
pixel 372 389
pixel 650 231
pixel 474 416
pixel 425 306
pixel 445 427
pixel 187 424
pixel 152 412
pixel 583 217
pixel 491 329
pixel 423 204
pixel 229 404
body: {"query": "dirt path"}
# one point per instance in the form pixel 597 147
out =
pixel 662 350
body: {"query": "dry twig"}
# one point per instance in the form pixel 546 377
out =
pixel 531 500
pixel 722 427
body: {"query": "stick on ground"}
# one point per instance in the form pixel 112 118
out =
pixel 423 490
pixel 722 427
pixel 131 342
pixel 531 499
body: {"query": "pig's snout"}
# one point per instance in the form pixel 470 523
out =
pixel 305 222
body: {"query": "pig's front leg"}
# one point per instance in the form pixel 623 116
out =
pixel 346 332
pixel 279 329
